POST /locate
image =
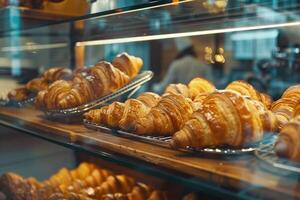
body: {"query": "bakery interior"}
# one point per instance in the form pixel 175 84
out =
pixel 149 99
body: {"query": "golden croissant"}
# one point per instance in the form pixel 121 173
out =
pixel 121 114
pixel 288 142
pixel 167 117
pixel 90 84
pixel 177 89
pixel 200 85
pixel 39 84
pixel 285 107
pixel 225 118
pixel 246 89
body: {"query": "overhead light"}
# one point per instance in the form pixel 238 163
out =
pixel 183 34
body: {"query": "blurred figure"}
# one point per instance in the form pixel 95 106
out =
pixel 186 66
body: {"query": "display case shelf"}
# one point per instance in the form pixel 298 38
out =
pixel 229 177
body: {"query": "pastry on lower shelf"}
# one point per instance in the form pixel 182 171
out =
pixel 41 83
pixel 90 83
pixel 285 107
pixel 288 142
pixel 247 89
pixel 86 182
pixel 225 118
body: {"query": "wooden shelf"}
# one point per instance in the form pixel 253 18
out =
pixel 243 174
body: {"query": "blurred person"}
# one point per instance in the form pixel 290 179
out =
pixel 186 66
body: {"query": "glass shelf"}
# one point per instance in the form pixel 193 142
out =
pixel 238 177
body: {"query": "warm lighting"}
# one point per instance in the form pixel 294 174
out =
pixel 175 2
pixel 184 34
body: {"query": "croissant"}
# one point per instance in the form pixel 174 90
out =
pixel 287 144
pixel 122 114
pixel 225 118
pixel 200 85
pixel 57 73
pixel 285 107
pixel 167 117
pixel 19 94
pixel 90 84
pixel 246 89
pixel 177 89
pixel 128 64
pixel 114 184
pixel 297 110
pixel 39 84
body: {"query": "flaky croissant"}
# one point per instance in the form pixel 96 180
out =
pixel 167 117
pixel 177 89
pixel 122 114
pixel 225 118
pixel 89 84
pixel 39 84
pixel 19 94
pixel 128 64
pixel 285 107
pixel 247 89
pixel 200 85
pixel 288 142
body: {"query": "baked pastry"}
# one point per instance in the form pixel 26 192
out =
pixel 288 142
pixel 200 85
pixel 285 107
pixel 89 84
pixel 19 94
pixel 39 84
pixel 246 89
pixel 225 118
pixel 122 114
pixel 177 89
pixel 128 64
pixel 167 117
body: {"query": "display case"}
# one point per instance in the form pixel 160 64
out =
pixel 221 40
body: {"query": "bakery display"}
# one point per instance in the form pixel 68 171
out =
pixel 226 118
pixel 41 83
pixel 88 181
pixel 288 142
pixel 285 107
pixel 89 84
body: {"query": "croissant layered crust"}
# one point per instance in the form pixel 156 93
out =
pixel 225 118
pixel 89 84
pixel 179 88
pixel 288 142
pixel 124 114
pixel 168 116
pixel 200 85
pixel 39 84
pixel 247 89
pixel 285 108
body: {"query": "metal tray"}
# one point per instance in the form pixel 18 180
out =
pixel 165 141
pixel 75 114
pixel 266 153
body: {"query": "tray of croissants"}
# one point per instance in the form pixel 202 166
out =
pixel 65 95
pixel 88 181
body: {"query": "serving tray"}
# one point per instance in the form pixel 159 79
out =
pixel 265 152
pixel 165 141
pixel 75 114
